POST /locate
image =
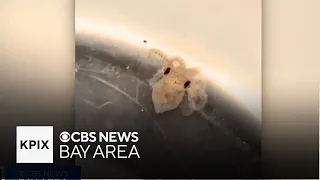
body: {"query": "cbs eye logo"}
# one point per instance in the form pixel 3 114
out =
pixel 64 137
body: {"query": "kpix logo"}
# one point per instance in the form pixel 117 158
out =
pixel 34 144
pixel 29 144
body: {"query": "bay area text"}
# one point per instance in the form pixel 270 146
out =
pixel 99 151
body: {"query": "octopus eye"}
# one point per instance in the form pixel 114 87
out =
pixel 187 84
pixel 167 71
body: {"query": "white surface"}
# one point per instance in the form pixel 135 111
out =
pixel 221 36
pixel 34 155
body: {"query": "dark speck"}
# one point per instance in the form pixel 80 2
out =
pixel 167 71
pixel 186 84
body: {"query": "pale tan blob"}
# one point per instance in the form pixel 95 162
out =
pixel 168 85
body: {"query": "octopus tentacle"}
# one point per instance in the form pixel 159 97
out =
pixel 186 109
pixel 192 72
pixel 178 63
pixel 159 53
pixel 197 98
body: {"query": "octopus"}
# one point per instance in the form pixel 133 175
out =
pixel 175 85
